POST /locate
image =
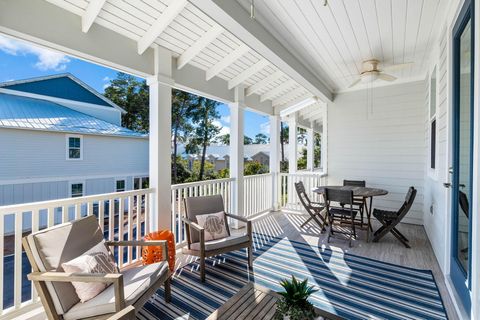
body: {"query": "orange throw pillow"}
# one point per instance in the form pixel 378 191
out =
pixel 153 254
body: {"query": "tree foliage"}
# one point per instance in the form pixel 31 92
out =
pixel 261 138
pixel 130 94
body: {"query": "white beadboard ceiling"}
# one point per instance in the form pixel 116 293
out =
pixel 192 32
pixel 335 39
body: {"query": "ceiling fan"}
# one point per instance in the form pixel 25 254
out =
pixel 371 72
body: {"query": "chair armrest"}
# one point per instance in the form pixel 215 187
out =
pixel 237 217
pixel 127 313
pixel 242 219
pixel 141 243
pixel 115 278
pixel 194 225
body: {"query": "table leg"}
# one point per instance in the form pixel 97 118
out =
pixel 368 209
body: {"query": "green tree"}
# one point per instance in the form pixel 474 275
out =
pixel 302 161
pixel 261 138
pixel 317 150
pixel 203 117
pixel 283 141
pixel 182 105
pixel 254 167
pixel 208 174
pixel 224 139
pixel 247 140
pixel 183 173
pixel 132 95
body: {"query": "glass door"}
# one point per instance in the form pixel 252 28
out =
pixel 462 172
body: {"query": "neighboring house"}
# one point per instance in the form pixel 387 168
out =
pixel 60 138
pixel 219 155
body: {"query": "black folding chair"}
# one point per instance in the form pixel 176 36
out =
pixel 389 219
pixel 314 209
pixel 344 212
pixel 358 202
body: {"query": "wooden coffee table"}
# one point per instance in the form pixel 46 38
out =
pixel 255 302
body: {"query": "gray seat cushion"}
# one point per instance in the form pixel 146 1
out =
pixel 53 246
pixel 221 243
pixel 136 281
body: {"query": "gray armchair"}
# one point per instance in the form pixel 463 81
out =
pixel 49 248
pixel 196 244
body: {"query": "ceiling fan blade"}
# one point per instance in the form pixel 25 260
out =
pixel 395 67
pixel 386 77
pixel 354 83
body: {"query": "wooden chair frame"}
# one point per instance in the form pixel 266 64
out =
pixel 345 198
pixel 39 280
pixel 314 209
pixel 203 253
pixel 389 225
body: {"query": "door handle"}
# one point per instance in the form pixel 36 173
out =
pixel 447 185
pixel 461 185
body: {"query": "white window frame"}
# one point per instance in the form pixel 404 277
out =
pixel 141 181
pixel 432 172
pixel 70 183
pixel 124 181
pixel 67 144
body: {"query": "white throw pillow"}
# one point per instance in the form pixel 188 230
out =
pixel 214 225
pixel 95 260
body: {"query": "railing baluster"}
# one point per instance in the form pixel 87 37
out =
pixel 139 223
pixel 101 215
pixel 111 218
pixel 17 280
pixel 35 227
pixel 130 228
pixel 121 212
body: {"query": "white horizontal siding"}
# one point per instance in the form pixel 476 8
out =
pixel 379 136
pixel 35 154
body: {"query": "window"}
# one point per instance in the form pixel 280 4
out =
pixel 74 147
pixel 76 190
pixel 120 185
pixel 433 120
pixel 140 183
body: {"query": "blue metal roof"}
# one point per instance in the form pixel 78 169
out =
pixel 61 86
pixel 35 114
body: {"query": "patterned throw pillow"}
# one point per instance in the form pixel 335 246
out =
pixel 214 225
pixel 95 260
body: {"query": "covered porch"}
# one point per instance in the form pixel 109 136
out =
pixel 221 50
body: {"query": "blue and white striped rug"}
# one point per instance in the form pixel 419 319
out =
pixel 350 286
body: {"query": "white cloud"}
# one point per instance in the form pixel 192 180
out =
pixel 46 59
pixel 223 129
pixel 265 128
pixel 106 85
pixel 225 119
pixel 106 78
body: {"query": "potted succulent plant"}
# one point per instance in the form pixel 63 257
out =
pixel 294 304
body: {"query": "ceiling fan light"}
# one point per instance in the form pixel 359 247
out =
pixel 369 76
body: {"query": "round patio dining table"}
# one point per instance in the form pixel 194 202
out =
pixel 364 192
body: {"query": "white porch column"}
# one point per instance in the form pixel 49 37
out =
pixel 292 143
pixel 160 96
pixel 236 151
pixel 310 149
pixel 275 159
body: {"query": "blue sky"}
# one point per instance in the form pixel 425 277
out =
pixel 20 60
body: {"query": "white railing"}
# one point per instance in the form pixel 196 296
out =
pixel 258 193
pixel 194 189
pixel 130 222
pixel 288 196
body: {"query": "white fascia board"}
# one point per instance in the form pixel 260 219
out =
pixel 233 17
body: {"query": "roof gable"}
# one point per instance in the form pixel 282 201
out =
pixel 64 86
